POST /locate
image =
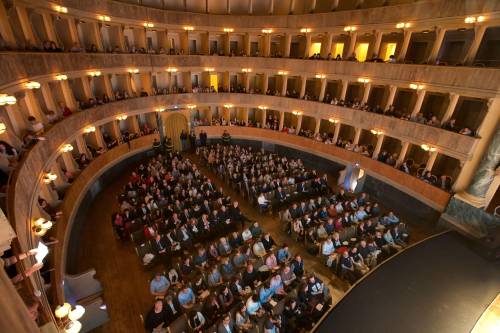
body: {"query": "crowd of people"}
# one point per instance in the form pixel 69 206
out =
pixel 231 275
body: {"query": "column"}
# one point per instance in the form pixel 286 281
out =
pixel 404 46
pixel 336 132
pixel 440 32
pixel 313 6
pixel 26 27
pixel 265 82
pixel 162 36
pixel 453 100
pixel 343 92
pixel 352 43
pixel 81 144
pixel 246 41
pixel 308 45
pixel 322 90
pixel 97 36
pixel 61 180
pixel 282 120
pixel 470 56
pixel 250 7
pixel 284 82
pixel 418 102
pixel 390 98
pixel 271 7
pixel 245 115
pixel 108 87
pixel 291 9
pixel 99 138
pixel 146 82
pixel 49 27
pixel 375 50
pixel 186 81
pixel 246 82
pixel 48 98
pixel 318 124
pixel 335 5
pixel 378 146
pixel 402 154
pixel 263 116
pixel 366 92
pixel 184 37
pixel 69 162
pixel 5 28
pixel 226 82
pixel 227 48
pixel 87 91
pixel 205 43
pixel 357 134
pixel 117 133
pixel 267 45
pixel 33 106
pixel 48 193
pixel 73 31
pixel 303 82
pixel 299 124
pixel 287 44
pixel 134 123
pixel 326 45
pixel 16 120
pixel 69 98
pixel 431 160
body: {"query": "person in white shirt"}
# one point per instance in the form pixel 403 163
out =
pixel 263 202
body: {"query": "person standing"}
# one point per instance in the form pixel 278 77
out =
pixel 184 138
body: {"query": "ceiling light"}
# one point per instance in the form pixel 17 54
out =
pixel 350 28
pixel 262 107
pixel 3 128
pixel 76 313
pixel 416 86
pixel 297 113
pixel 133 70
pixel 376 131
pixel 7 99
pixel 61 77
pixel 267 31
pixel 363 80
pixel 402 25
pixel 104 18
pixel 470 19
pixel 188 28
pixel 62 311
pixel 282 73
pixel 40 227
pixel 49 177
pixel 171 69
pixel 94 73
pixel 121 117
pixel 89 129
pixel 160 109
pixel 333 121
pixel 428 148
pixel 60 9
pixel 228 29
pixel 67 148
pixel 210 69
pixel 73 327
pixel 32 85
pixel 246 70
pixel 191 106
pixel 305 30
pixel 148 25
pixel 320 76
pixel 228 105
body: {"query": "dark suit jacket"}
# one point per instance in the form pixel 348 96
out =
pixel 170 314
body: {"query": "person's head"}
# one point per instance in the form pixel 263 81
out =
pixel 158 237
pixel 362 243
pixel 158 276
pixel 226 319
pixel 312 279
pixel 249 268
pixel 158 305
pixel 345 254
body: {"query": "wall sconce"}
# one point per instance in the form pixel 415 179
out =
pixel 148 25
pixel 41 226
pixel 428 148
pixel 171 69
pixel 297 113
pixel 246 70
pixel 305 30
pixel 7 99
pixel 262 107
pixel 402 25
pixel 416 86
pixel 104 18
pixel 60 9
pixel 3 128
pixel 191 106
pixel 188 28
pixel 473 19
pixel 61 77
pixel 282 73
pixel 133 70
pixel 160 109
pixel 376 131
pixel 228 29
pixel 228 105
pixel 209 69
pixel 267 31
pixel 363 80
pixel 71 324
pixel 94 74
pixel 333 121
pixel 320 76
pixel 350 28
pixel 49 177
pixel 67 148
pixel 32 85
pixel 121 117
pixel 89 129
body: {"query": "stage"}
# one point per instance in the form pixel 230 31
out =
pixel 439 285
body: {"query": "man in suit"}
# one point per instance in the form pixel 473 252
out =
pixel 226 325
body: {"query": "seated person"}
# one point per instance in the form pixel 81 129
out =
pixel 253 306
pixel 240 259
pixel 226 298
pixel 283 254
pixel 258 249
pixel 272 262
pixel 224 247
pixel 186 298
pixel 288 276
pixel 214 278
pixel 256 230
pixel 390 219
pixel 196 321
pixel 173 308
pixel 250 277
pixel 156 320
pixel 268 242
pixel 159 285
pixel 226 325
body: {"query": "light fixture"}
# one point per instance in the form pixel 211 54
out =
pixel 148 25
pixel 209 69
pixel 480 19
pixel 160 109
pixel 133 70
pixel 171 69
pixel 228 105
pixel 94 73
pixel 428 148
pixel 76 313
pixel 267 31
pixel 333 120
pixel 262 107
pixel 49 177
pixel 350 28
pixel 61 77
pixel 3 128
pixel 320 76
pixel 73 327
pixel 305 30
pixel 191 106
pixel 32 85
pixel 188 28
pixel 228 29
pixel 104 18
pixel 60 9
pixel 246 70
pixel 67 148
pixel 376 131
pixel 121 117
pixel 416 86
pixel 89 129
pixel 282 73
pixel 363 80
pixel 402 25
pixel 41 226
pixel 297 113
pixel 62 311
pixel 7 99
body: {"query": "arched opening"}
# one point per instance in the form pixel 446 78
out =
pixel 173 124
